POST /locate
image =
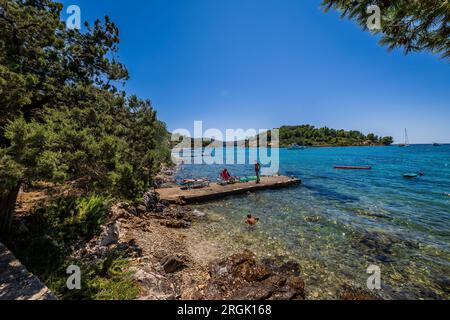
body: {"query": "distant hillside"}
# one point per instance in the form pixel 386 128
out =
pixel 305 135
pixel 308 135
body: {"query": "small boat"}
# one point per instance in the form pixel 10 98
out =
pixel 352 168
pixel 187 184
pixel 296 147
pixel 248 179
pixel 410 175
pixel 436 144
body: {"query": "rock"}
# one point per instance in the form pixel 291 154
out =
pixel 180 201
pixel 242 277
pixel 155 286
pixel 131 249
pixel 151 199
pixel 176 224
pixel 352 293
pixel 198 214
pixel 122 214
pixel 159 208
pixel 158 181
pixel 141 209
pixel 172 264
pixel 123 205
pixel 252 271
pixel 230 264
pixel 165 203
pixel 283 294
pixel 257 291
pixel 110 234
pixel 133 211
pixel 290 267
pixel 260 290
pixel 297 285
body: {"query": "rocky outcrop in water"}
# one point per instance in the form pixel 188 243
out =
pixel 243 277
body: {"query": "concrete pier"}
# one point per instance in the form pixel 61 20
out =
pixel 175 195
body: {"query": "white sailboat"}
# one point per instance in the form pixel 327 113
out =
pixel 406 144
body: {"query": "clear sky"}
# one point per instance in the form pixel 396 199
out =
pixel 265 63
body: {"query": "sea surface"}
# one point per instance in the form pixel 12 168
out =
pixel 337 223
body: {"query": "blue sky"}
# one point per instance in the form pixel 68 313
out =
pixel 265 63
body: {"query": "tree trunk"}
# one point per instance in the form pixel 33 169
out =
pixel 7 208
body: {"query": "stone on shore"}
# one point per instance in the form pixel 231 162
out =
pixel 110 234
pixel 172 264
pixel 151 200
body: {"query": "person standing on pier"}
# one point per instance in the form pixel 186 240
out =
pixel 257 171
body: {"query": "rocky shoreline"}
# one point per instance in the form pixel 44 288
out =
pixel 170 261
pixel 169 258
pixel 173 264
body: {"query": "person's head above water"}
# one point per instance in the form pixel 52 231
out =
pixel 249 216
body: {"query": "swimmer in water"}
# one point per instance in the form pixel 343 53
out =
pixel 251 221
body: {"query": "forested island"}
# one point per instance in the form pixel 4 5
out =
pixel 308 135
pixel 303 135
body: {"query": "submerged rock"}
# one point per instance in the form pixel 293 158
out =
pixel 352 293
pixel 242 277
pixel 198 214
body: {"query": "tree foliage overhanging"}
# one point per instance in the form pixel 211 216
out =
pixel 414 25
pixel 63 116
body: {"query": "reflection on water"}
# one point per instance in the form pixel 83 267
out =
pixel 338 223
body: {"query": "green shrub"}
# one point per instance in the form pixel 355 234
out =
pixel 72 218
pixel 47 248
pixel 92 214
pixel 109 279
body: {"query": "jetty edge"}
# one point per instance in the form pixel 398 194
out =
pixel 174 195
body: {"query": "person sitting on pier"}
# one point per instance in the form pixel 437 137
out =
pixel 251 220
pixel 226 178
pixel 225 175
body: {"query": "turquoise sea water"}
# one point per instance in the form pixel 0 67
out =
pixel 338 222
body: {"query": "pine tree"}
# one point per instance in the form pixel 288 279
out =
pixel 412 25
pixel 62 116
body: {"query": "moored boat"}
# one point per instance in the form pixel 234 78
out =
pixel 406 144
pixel 296 147
pixel 353 167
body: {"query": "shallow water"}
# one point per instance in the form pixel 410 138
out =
pixel 338 223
